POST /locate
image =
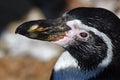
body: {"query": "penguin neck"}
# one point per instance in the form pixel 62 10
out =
pixel 66 68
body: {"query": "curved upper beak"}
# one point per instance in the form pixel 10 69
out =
pixel 47 30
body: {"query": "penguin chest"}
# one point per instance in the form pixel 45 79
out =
pixel 67 68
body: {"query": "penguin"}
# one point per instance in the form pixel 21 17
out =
pixel 91 41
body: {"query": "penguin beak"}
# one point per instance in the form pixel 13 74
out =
pixel 47 30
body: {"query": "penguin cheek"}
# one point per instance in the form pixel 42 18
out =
pixel 64 42
pixel 68 39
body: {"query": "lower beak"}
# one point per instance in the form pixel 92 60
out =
pixel 47 30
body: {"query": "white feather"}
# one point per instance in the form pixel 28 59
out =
pixel 67 68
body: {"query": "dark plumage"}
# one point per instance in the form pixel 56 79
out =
pixel 90 35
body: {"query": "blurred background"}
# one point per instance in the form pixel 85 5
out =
pixel 25 59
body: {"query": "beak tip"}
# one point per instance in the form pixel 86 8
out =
pixel 17 31
pixel 23 28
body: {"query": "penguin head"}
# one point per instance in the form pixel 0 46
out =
pixel 88 34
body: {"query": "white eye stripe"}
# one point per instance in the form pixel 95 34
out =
pixel 103 36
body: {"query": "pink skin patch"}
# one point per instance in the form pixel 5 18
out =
pixel 69 38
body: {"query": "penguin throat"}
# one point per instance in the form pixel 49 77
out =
pixel 67 68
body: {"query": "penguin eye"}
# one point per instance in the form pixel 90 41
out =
pixel 83 34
